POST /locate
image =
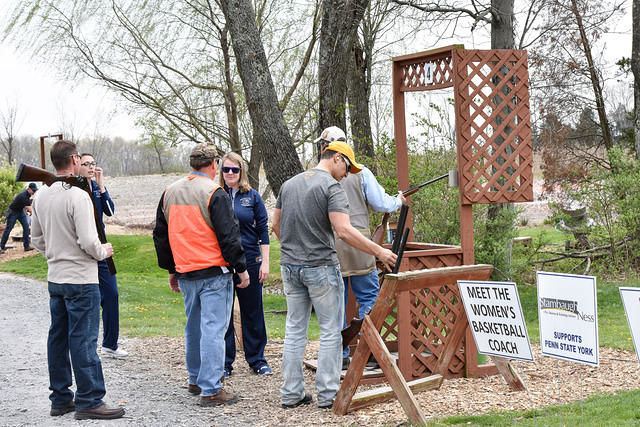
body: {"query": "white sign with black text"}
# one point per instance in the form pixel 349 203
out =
pixel 568 316
pixel 429 68
pixel 496 320
pixel 631 302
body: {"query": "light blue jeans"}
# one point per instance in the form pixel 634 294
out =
pixel 365 288
pixel 323 288
pixel 207 304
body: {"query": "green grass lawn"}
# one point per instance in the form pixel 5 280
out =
pixel 621 409
pixel 546 234
pixel 147 305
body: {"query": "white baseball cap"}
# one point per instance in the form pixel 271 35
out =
pixel 332 133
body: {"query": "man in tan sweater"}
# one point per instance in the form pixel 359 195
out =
pixel 64 231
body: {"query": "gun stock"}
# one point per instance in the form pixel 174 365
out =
pixel 32 173
pixel 378 234
pixel 351 331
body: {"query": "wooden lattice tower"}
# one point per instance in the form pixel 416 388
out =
pixel 493 126
pixel 493 131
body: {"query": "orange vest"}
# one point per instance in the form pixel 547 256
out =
pixel 193 241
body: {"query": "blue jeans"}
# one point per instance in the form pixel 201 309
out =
pixel 365 288
pixel 207 304
pixel 254 331
pixel 109 303
pixel 75 319
pixel 323 288
pixel 12 217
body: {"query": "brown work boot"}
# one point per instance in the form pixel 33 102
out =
pixel 221 398
pixel 102 412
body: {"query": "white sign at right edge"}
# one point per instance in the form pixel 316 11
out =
pixel 568 316
pixel 631 302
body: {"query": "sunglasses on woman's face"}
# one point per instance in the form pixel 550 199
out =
pixel 234 169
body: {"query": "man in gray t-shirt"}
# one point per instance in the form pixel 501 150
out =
pixel 308 239
pixel 310 206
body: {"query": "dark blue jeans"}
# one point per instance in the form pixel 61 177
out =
pixel 12 217
pixel 73 335
pixel 109 303
pixel 254 331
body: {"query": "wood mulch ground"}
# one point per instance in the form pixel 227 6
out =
pixel 549 382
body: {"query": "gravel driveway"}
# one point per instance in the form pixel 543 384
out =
pixel 153 394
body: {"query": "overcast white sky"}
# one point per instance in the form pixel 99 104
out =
pixel 44 102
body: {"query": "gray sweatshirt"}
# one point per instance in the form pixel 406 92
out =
pixel 63 229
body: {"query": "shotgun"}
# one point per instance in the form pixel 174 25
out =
pixel 378 234
pixel 351 331
pixel 32 173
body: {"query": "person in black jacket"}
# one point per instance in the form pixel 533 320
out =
pixel 108 283
pixel 18 210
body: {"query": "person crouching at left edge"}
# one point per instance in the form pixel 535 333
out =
pixel 197 239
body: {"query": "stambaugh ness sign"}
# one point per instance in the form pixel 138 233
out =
pixel 568 315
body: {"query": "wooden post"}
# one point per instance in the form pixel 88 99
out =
pixel 509 374
pixel 237 324
pixel 379 312
pixel 392 373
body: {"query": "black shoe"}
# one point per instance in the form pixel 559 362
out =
pixel 326 406
pixel 69 407
pixel 345 363
pixel 304 401
pixel 194 389
pixel 372 363
pixel 30 248
pixel 102 412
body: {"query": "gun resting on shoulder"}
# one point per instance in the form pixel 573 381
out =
pixel 32 173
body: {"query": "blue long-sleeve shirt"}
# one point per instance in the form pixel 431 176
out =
pixel 254 228
pixel 104 204
pixel 375 195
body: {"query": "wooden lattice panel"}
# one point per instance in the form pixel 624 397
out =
pixel 433 314
pixel 493 126
pixel 410 263
pixel 434 73
pixel 389 330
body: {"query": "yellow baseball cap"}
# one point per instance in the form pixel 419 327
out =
pixel 344 148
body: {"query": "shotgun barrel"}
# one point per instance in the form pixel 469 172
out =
pixel 32 173
pixel 378 234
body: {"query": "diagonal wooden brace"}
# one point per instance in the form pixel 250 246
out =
pixel 392 372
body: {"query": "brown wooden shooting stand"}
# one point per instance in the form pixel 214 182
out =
pixel 419 314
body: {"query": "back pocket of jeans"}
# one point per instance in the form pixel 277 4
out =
pixel 315 276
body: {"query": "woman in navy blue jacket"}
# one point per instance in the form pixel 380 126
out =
pixel 107 281
pixel 252 216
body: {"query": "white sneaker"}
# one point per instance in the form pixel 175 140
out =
pixel 118 352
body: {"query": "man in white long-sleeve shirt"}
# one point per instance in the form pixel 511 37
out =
pixel 64 231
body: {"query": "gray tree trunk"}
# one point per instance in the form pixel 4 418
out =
pixel 340 20
pixel 595 80
pixel 502 37
pixel 359 89
pixel 231 104
pixel 635 69
pixel 270 131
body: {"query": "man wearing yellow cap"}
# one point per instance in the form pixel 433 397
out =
pixel 310 206
pixel 358 268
